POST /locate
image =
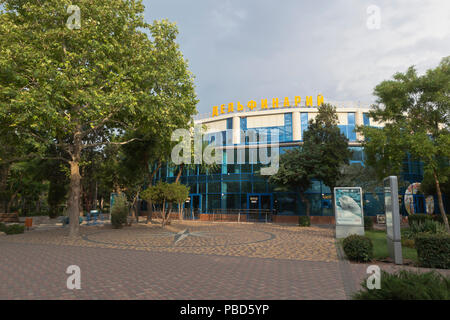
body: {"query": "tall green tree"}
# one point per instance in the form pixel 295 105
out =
pixel 81 88
pixel 416 113
pixel 294 173
pixel 325 148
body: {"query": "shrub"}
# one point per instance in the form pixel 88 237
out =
pixel 119 211
pixel 419 218
pixel 408 243
pixel 438 218
pixel 304 221
pixel 368 223
pixel 358 248
pixel 433 250
pixel 407 285
pixel 427 226
pixel 12 229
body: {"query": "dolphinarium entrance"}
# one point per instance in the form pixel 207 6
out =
pixel 260 206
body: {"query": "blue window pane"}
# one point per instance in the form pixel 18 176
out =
pixel 366 119
pixel 287 134
pixel 224 162
pixel 343 129
pixel 244 124
pixel 351 133
pixel 230 123
pixel 351 118
pixel 304 122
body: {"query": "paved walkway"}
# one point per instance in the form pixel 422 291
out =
pixel 183 261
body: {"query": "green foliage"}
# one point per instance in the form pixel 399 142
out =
pixel 426 226
pixel 438 218
pixel 119 211
pixel 407 285
pixel 380 249
pixel 325 147
pixel 293 172
pixel 83 89
pixel 164 192
pixel 358 248
pixel 324 151
pixel 418 218
pixel 414 110
pixel 368 223
pixel 180 192
pixel 304 221
pixel 433 250
pixel 428 184
pixel 12 229
pixel 409 243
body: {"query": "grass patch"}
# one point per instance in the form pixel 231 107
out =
pixel 380 250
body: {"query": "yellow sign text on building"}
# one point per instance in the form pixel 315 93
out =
pixel 266 105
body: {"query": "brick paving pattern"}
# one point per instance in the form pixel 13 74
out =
pixel 215 261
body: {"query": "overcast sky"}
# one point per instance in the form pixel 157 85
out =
pixel 253 49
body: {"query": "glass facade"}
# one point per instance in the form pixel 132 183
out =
pixel 236 182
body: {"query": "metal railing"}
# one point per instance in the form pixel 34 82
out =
pixel 241 215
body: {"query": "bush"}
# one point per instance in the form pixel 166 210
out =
pixel 419 218
pixel 438 218
pixel 407 285
pixel 368 223
pixel 304 221
pixel 408 243
pixel 119 212
pixel 12 229
pixel 427 226
pixel 433 250
pixel 358 248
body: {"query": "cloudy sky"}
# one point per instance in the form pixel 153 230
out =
pixel 240 50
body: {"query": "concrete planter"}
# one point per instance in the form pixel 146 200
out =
pixel 37 220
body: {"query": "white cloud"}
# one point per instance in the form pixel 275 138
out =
pixel 242 50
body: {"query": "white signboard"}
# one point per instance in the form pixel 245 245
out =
pixel 392 212
pixel 349 206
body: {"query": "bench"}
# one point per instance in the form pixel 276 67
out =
pixel 9 218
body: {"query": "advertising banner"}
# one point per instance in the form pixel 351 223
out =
pixel 349 207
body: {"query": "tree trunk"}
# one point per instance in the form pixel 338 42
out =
pixel 135 207
pixel 75 187
pixel 179 173
pixel 74 199
pixel 333 202
pixel 150 204
pixel 10 202
pixel 163 214
pixel 180 211
pixel 441 203
pixel 306 201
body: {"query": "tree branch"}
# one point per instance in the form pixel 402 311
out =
pixel 93 145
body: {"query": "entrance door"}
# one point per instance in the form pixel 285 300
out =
pixel 196 205
pixel 262 203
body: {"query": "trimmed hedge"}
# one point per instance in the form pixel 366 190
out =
pixel 368 223
pixel 407 285
pixel 12 229
pixel 304 221
pixel 433 250
pixel 419 218
pixel 358 248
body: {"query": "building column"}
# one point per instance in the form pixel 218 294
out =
pixel 236 130
pixel 359 122
pixel 296 126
